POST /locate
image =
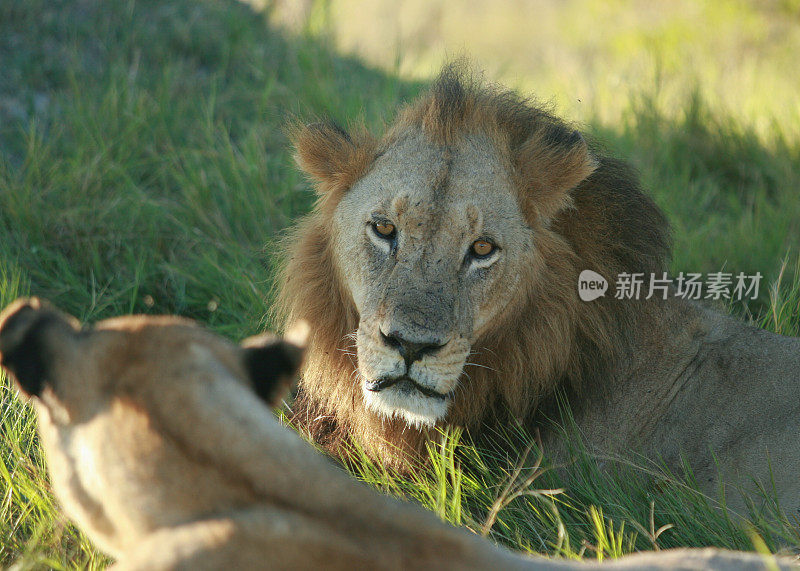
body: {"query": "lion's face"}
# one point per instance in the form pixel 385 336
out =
pixel 431 255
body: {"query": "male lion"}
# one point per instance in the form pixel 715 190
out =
pixel 440 268
pixel 159 448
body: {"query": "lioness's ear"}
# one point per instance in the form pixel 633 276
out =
pixel 272 363
pixel 24 353
pixel 552 161
pixel 334 158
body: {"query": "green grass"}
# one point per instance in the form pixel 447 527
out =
pixel 592 507
pixel 144 169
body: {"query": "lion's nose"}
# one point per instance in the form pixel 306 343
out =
pixel 410 350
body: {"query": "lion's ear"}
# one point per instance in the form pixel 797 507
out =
pixel 24 348
pixel 272 363
pixel 551 162
pixel 334 158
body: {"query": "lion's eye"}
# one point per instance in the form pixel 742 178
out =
pixel 482 248
pixel 384 229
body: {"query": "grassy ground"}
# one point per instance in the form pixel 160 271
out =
pixel 697 93
pixel 143 168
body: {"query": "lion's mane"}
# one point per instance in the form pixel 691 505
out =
pixel 550 339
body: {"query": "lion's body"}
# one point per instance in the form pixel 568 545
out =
pixel 704 388
pixel 504 333
pixel 159 447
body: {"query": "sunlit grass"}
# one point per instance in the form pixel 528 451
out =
pixel 590 507
pixel 590 56
pixel 783 314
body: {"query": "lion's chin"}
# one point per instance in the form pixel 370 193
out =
pixel 413 407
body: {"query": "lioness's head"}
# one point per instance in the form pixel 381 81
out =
pixel 126 406
pixel 73 369
pixel 440 264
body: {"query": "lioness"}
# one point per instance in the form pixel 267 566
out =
pixel 440 268
pixel 159 447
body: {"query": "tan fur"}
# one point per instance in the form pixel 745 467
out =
pixel 558 208
pixel 333 157
pixel 158 447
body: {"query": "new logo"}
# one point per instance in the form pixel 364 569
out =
pixel 591 285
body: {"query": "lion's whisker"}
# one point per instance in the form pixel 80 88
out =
pixel 481 366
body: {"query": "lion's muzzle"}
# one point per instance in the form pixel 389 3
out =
pixel 413 374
